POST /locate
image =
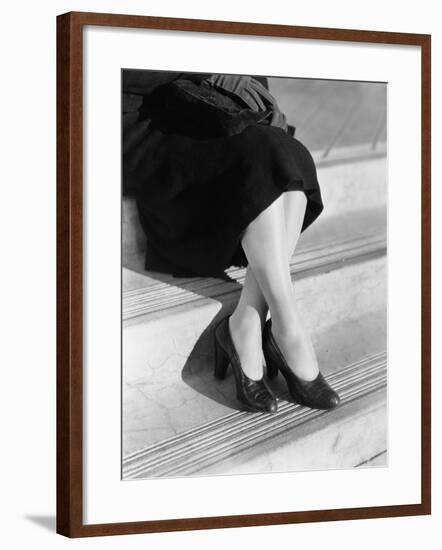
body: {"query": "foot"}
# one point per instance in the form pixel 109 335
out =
pixel 246 331
pixel 297 348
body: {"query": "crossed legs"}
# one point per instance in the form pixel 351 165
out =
pixel 269 242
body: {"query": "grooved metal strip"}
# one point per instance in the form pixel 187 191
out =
pixel 161 295
pixel 223 436
pixel 356 369
pixel 209 443
pixel 235 426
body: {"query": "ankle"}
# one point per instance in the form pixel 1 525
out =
pixel 286 326
pixel 246 334
pixel 245 321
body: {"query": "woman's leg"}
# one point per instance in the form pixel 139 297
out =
pixel 265 240
pixel 246 324
pixel 284 220
pixel 295 343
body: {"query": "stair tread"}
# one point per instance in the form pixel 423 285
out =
pixel 154 410
pixel 327 441
pixel 212 442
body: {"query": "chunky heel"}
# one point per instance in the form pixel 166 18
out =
pixel 255 394
pixel 272 369
pixel 221 362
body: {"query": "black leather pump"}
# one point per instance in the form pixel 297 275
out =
pixel 255 394
pixel 316 394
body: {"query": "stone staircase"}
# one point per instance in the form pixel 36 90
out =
pixel 179 420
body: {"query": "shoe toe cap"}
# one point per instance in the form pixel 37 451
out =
pixel 334 400
pixel 272 406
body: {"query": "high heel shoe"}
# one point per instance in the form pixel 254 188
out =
pixel 316 394
pixel 255 394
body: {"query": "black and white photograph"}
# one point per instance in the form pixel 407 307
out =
pixel 221 306
pixel 254 274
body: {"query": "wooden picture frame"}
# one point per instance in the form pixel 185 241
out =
pixel 70 269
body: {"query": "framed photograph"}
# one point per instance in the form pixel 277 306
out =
pixel 243 274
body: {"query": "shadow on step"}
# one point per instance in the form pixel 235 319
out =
pixel 198 370
pixel 198 374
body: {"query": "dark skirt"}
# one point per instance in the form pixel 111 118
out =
pixel 196 195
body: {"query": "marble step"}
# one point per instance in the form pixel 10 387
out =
pixel 293 439
pixel 168 384
pixel 351 179
pixel 353 436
